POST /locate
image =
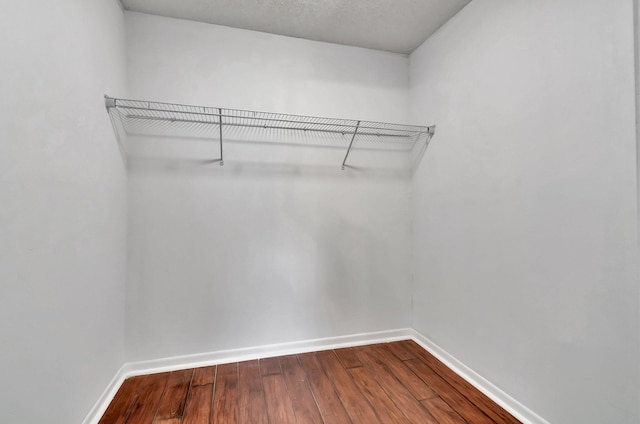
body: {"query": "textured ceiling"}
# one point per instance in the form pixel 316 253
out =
pixel 393 25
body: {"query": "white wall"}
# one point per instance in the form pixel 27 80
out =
pixel 279 244
pixel 62 213
pixel 525 204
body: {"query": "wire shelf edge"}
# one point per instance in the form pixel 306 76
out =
pixel 143 115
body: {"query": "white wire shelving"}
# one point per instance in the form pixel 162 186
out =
pixel 140 117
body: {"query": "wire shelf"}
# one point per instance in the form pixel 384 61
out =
pixel 138 117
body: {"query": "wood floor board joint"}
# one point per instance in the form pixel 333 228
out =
pixel 397 382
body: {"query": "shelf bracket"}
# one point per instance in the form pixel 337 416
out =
pixel 157 119
pixel 353 137
pixel 221 156
pixel 109 102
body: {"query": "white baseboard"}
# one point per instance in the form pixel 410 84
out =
pixel 105 398
pixel 265 351
pixel 131 369
pixel 511 405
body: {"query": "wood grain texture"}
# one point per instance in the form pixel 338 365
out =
pixel 225 397
pixel 251 402
pixel 174 397
pixel 401 351
pixel 325 395
pixel 348 358
pixel 279 406
pixel 145 407
pixel 442 411
pixel 124 399
pixel 486 405
pixel 418 388
pixel 304 405
pixel 356 405
pixel 381 402
pixel 204 375
pixel 400 395
pixel 198 409
pixel 398 383
pixel 458 402
pixel 270 366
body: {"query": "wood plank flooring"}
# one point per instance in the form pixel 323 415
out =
pixel 385 383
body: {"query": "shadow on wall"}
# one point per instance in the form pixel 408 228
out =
pixel 280 246
pixel 194 156
pixel 194 167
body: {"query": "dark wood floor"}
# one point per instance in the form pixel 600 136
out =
pixel 385 383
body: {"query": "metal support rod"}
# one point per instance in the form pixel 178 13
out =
pixel 350 144
pixel 221 156
pixel 164 118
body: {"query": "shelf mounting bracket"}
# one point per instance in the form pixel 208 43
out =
pixel 109 102
pixel 353 137
pixel 221 156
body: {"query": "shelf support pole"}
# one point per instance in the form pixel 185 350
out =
pixel 221 156
pixel 353 137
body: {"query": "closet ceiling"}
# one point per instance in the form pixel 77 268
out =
pixel 393 25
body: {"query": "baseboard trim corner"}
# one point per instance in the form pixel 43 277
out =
pixel 510 404
pixel 105 398
pixel 266 351
pixel 132 369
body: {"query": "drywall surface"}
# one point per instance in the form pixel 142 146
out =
pixel 279 244
pixel 62 213
pixel 525 243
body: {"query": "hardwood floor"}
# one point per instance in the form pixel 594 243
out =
pixel 385 383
